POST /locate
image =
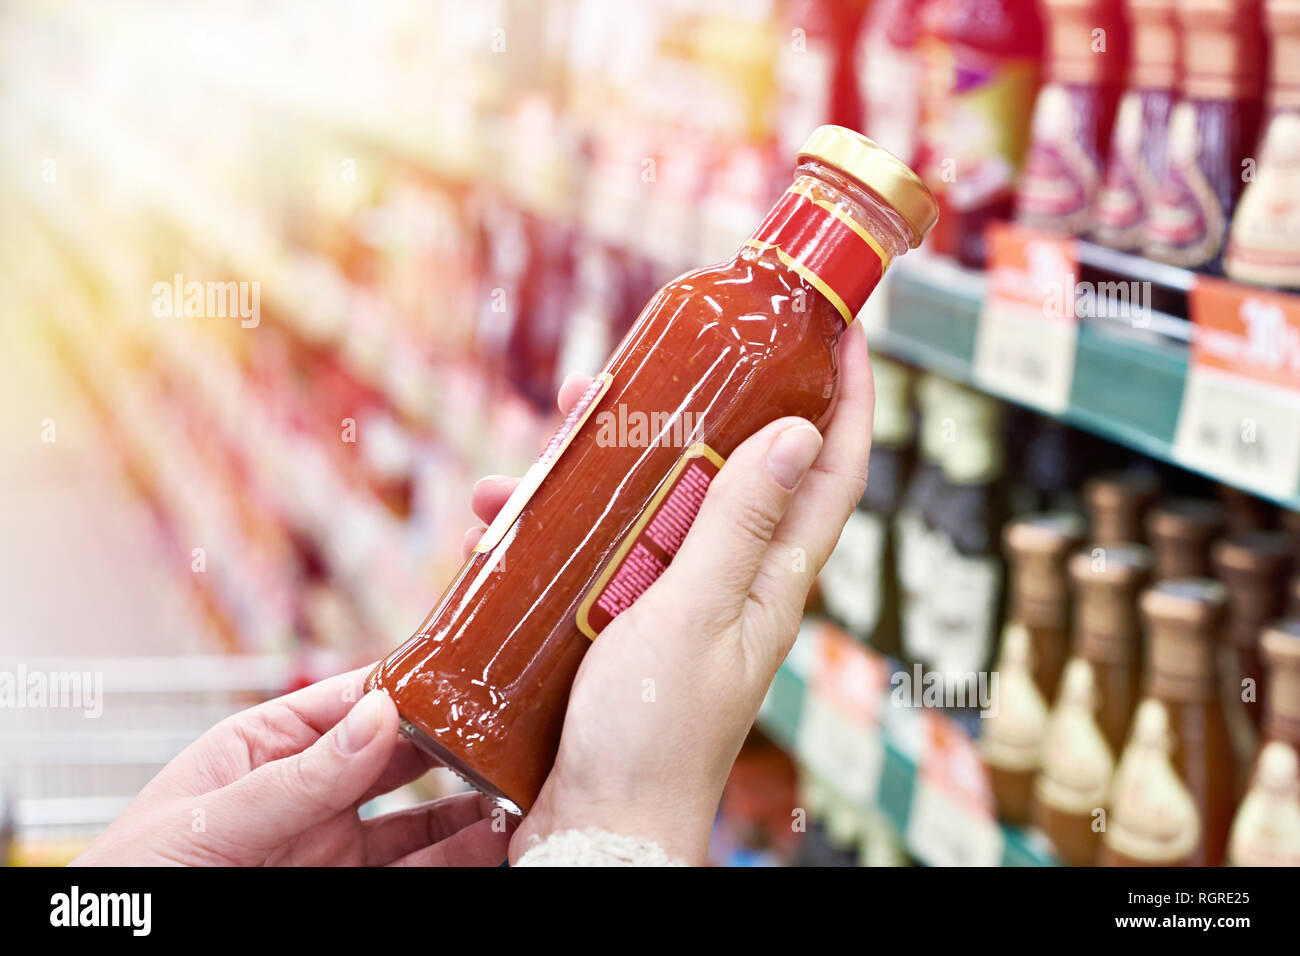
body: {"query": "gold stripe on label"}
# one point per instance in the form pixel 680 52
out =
pixel 808 276
pixel 842 216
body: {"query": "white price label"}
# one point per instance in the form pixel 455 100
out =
pixel 943 830
pixel 1028 331
pixel 1241 431
pixel 1023 357
pixel 846 753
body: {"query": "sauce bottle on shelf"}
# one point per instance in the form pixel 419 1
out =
pixel 859 584
pixel 1290 522
pixel 1293 596
pixel 982 62
pixel 1107 633
pixel 1087 53
pixel 484 682
pixel 1181 532
pixel 1037 549
pixel 1013 729
pixel 915 542
pixel 1244 512
pixel 1280 646
pixel 890 73
pixel 1264 243
pixel 1069 794
pixel 1255 568
pixel 1266 830
pixel 1140 135
pixel 1183 620
pixel 1212 132
pixel 1117 504
pixel 964 582
pixel 1154 819
pixel 815 68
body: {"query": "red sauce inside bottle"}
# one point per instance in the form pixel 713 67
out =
pixel 716 355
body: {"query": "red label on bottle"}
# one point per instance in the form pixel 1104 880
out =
pixel 653 541
pixel 825 246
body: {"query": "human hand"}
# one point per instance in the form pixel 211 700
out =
pixel 281 783
pixel 664 698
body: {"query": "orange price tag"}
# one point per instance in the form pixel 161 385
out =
pixel 1240 417
pixel 1028 331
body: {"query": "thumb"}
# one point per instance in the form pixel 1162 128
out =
pixel 720 557
pixel 284 797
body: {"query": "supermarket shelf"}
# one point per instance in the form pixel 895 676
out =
pixel 1127 386
pixel 944 825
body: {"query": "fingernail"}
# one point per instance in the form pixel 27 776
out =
pixel 361 724
pixel 792 454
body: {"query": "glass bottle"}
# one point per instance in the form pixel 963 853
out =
pixel 1264 243
pixel 983 62
pixel 1037 550
pixel 859 583
pixel 484 682
pixel 1013 729
pixel 1181 531
pixel 1153 819
pixel 1140 136
pixel 1183 620
pixel 1117 504
pixel 964 582
pixel 1107 633
pixel 1069 794
pixel 1212 132
pixel 1087 55
pixel 889 71
pixel 1266 829
pixel 1255 568
pixel 1280 647
pixel 915 541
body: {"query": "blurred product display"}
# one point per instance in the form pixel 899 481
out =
pixel 286 279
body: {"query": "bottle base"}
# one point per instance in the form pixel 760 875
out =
pixel 457 766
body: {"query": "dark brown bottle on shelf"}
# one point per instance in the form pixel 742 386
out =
pixel 1069 794
pixel 1107 632
pixel 914 542
pixel 1255 568
pixel 1290 521
pixel 1181 532
pixel 1037 548
pixel 1117 504
pixel 1245 512
pixel 1183 619
pixel 1280 647
pixel 964 581
pixel 859 583
pixel 1293 596
pixel 1266 830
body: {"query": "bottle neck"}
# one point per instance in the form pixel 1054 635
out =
pixel 836 235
